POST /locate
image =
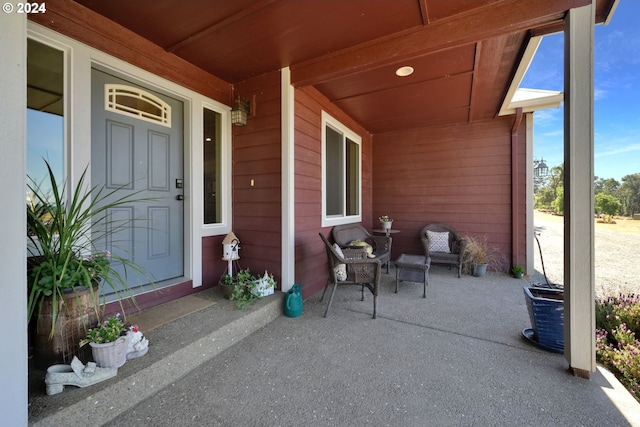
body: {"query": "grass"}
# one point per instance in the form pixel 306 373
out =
pixel 622 224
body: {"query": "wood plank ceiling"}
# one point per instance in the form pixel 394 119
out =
pixel 464 52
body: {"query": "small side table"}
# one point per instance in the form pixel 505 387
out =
pixel 387 231
pixel 413 268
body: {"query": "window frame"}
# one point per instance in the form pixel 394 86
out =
pixel 337 126
pixel 224 226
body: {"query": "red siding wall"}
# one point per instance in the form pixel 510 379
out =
pixel 311 259
pixel 460 175
pixel 257 156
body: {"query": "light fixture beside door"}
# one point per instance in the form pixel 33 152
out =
pixel 241 108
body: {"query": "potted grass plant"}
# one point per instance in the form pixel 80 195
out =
pixel 67 270
pixel 480 255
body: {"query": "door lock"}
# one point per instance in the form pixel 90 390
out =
pixel 179 197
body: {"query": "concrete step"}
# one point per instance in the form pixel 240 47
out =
pixel 175 349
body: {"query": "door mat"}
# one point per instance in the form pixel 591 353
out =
pixel 154 317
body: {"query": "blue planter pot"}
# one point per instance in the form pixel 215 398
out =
pixel 546 312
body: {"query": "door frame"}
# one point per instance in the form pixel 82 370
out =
pixel 79 59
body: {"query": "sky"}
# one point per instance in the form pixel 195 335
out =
pixel 616 95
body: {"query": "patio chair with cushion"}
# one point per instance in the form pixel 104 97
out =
pixel 351 267
pixel 345 236
pixel 444 244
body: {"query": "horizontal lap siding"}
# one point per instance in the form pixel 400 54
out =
pixel 257 213
pixel 311 259
pixel 460 175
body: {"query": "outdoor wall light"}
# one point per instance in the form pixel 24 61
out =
pixel 241 108
pixel 540 168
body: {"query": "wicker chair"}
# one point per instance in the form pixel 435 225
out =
pixel 360 270
pixel 344 234
pixel 456 246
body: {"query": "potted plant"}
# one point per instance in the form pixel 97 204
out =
pixel 386 222
pixel 546 313
pixel 227 283
pixel 479 255
pixel 66 269
pixel 108 342
pixel 244 283
pixel 264 286
pixel 517 271
pixel 244 287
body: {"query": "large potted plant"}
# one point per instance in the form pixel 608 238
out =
pixel 67 270
pixel 546 313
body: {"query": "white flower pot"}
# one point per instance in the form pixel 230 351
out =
pixel 110 354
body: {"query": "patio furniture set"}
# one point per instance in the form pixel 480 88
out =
pixel 356 258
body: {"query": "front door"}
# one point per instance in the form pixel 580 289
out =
pixel 137 146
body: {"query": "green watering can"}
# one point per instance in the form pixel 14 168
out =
pixel 293 302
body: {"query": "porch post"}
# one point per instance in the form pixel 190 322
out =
pixel 579 315
pixel 13 250
pixel 288 182
pixel 529 268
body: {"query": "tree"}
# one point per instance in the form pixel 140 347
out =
pixel 606 186
pixel 629 194
pixel 551 195
pixel 558 203
pixel 544 198
pixel 607 204
pixel 556 178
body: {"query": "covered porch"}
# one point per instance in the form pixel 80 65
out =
pixel 454 358
pixel 433 147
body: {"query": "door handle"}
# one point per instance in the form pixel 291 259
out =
pixel 179 197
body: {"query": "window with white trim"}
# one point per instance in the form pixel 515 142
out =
pixel 212 166
pixel 341 173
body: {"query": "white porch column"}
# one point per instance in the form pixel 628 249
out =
pixel 288 182
pixel 530 267
pixel 13 250
pixel 579 315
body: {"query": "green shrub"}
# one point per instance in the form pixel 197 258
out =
pixel 617 338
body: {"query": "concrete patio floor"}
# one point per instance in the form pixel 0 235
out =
pixel 455 358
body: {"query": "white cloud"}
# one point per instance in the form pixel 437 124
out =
pixel 599 93
pixel 548 118
pixel 619 150
pixel 558 132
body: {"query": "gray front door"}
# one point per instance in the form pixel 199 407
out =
pixel 137 146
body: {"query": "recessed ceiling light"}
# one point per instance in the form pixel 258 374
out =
pixel 404 71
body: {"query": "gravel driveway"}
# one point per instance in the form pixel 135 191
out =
pixel 617 257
